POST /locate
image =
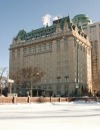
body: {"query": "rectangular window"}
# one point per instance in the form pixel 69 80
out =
pixel 25 51
pixel 34 50
pixel 39 48
pixel 44 47
pixel 77 46
pixel 84 49
pixel 74 44
pixel 81 47
pixel 93 26
pixel 58 92
pixel 18 53
pixel 13 54
pixel 58 46
pixel 50 46
pixel 30 50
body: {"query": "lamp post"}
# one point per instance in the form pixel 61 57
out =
pixel 77 84
pixel 66 77
pixel 31 90
pixel 58 86
pixel 11 82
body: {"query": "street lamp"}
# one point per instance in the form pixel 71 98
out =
pixel 77 84
pixel 11 82
pixel 66 77
pixel 58 86
pixel 31 90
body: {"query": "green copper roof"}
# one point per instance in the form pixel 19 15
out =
pixel 42 32
pixel 80 15
pixel 81 18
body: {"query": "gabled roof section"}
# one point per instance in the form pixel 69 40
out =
pixel 61 21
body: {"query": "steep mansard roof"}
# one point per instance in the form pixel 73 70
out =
pixel 43 32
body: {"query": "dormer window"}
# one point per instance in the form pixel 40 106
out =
pixel 73 27
pixel 79 32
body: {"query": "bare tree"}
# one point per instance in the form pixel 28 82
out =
pixel 2 70
pixel 27 76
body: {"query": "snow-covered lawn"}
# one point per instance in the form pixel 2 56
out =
pixel 50 116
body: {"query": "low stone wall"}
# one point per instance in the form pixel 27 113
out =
pixel 20 99
pixel 33 99
pixel 44 99
pixel 84 99
pixel 6 99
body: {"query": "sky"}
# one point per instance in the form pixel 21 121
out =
pixel 50 116
pixel 16 15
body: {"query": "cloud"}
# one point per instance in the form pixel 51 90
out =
pixel 48 19
pixel 55 18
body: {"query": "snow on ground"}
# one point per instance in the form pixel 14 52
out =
pixel 50 116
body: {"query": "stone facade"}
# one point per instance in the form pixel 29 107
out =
pixel 93 32
pixel 62 50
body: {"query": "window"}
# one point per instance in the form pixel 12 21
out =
pixel 34 50
pixel 58 92
pixel 77 46
pixel 58 45
pixel 39 48
pixel 18 53
pixel 81 47
pixel 13 54
pixel 50 46
pixel 74 44
pixel 25 51
pixel 44 47
pixel 84 49
pixel 30 50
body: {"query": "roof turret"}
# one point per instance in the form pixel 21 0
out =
pixel 81 18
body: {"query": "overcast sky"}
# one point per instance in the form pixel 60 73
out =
pixel 16 15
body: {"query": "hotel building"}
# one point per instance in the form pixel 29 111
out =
pixel 62 50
